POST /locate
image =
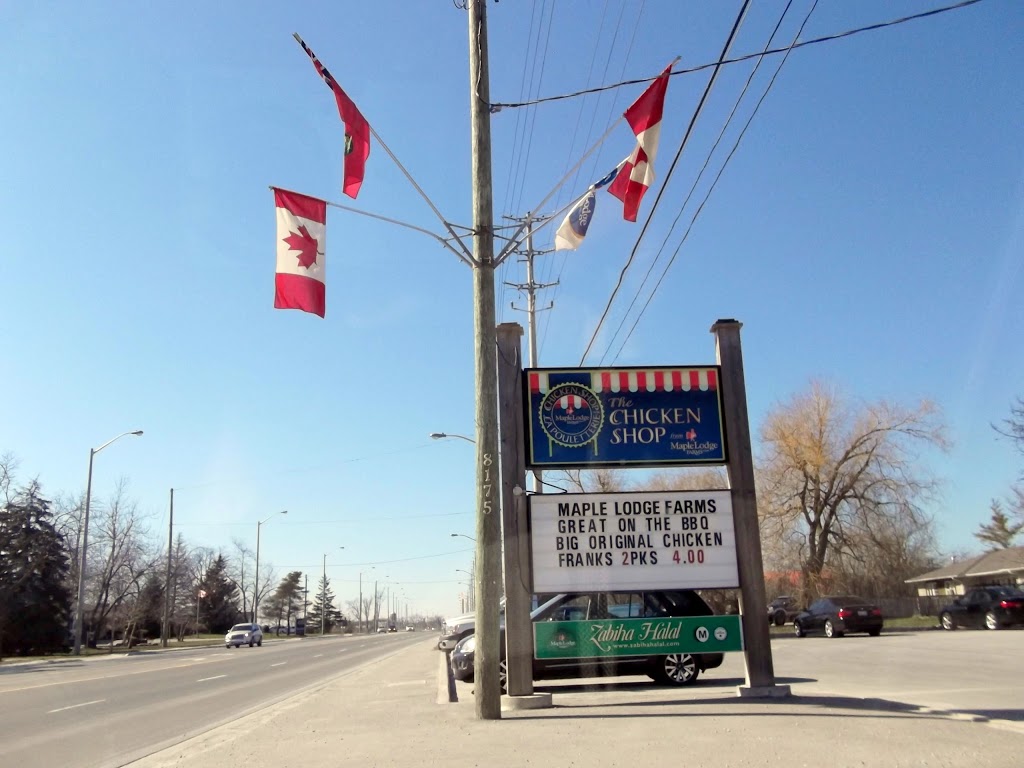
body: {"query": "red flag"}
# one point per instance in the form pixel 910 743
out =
pixel 644 117
pixel 300 282
pixel 357 130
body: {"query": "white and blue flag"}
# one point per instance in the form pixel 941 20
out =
pixel 573 230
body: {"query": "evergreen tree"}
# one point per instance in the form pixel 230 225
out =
pixel 218 608
pixel 284 603
pixel 35 604
pixel 1000 531
pixel 334 617
pixel 149 610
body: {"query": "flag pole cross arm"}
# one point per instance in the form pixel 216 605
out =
pixel 466 254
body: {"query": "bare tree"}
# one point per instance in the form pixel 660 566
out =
pixel 603 480
pixel 700 479
pixel 8 468
pixel 120 555
pixel 184 580
pixel 1013 427
pixel 242 563
pixel 834 475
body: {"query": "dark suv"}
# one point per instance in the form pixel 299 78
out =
pixel 782 609
pixel 671 669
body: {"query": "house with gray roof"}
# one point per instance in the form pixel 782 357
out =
pixel 1002 566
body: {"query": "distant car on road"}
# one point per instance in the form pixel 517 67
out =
pixel 837 615
pixel 410 628
pixel 989 607
pixel 782 609
pixel 243 634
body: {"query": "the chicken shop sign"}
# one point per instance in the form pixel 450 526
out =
pixel 623 416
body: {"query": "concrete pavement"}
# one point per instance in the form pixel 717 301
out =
pixel 395 712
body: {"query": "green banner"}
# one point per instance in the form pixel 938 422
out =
pixel 636 637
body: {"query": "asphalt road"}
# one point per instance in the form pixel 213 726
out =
pixel 109 711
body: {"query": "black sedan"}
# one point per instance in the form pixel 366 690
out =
pixel 671 669
pixel 989 607
pixel 837 615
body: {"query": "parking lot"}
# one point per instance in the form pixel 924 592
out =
pixel 969 671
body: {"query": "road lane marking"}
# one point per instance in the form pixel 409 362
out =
pixel 279 664
pixel 318 656
pixel 76 706
pixel 215 677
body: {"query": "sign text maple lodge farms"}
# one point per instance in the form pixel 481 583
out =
pixel 672 539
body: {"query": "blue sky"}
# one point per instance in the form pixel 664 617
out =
pixel 868 231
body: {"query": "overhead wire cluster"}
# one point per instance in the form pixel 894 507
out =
pixel 643 294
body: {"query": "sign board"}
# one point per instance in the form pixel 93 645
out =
pixel 623 417
pixel 621 541
pixel 636 637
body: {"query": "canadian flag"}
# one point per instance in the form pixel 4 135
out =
pixel 300 281
pixel 644 117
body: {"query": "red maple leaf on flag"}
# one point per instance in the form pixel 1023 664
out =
pixel 305 244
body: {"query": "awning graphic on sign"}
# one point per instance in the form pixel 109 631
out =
pixel 660 416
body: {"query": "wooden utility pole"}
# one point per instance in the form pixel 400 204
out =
pixel 518 627
pixel 165 628
pixel 757 653
pixel 488 521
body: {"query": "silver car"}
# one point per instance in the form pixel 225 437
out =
pixel 244 634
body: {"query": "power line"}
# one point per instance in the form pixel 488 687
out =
pixel 517 178
pixel 711 189
pixel 700 174
pixel 546 276
pixel 497 106
pixel 671 170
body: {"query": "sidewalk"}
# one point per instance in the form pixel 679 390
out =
pixel 394 712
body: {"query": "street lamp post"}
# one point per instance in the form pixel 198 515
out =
pixel 256 578
pixel 454 535
pixel 469 585
pixel 323 597
pixel 361 617
pixel 85 541
pixel 442 435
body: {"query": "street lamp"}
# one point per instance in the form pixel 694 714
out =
pixel 454 535
pixel 256 580
pixel 323 597
pixel 442 435
pixel 470 587
pixel 85 541
pixel 361 597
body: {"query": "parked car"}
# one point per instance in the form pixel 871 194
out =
pixel 671 669
pixel 990 607
pixel 782 610
pixel 838 615
pixel 455 629
pixel 243 634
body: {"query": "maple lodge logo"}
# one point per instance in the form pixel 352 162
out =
pixel 307 246
pixel 571 415
pixel 562 640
